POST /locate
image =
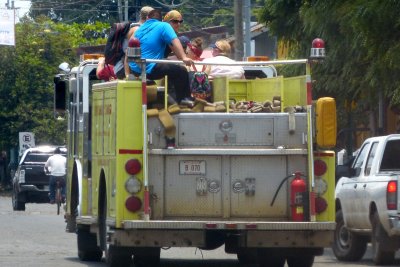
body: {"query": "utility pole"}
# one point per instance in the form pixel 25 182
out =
pixel 247 37
pixel 126 10
pixel 120 18
pixel 238 11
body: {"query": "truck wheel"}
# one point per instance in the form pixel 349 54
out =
pixel 269 258
pixel 87 245
pixel 17 204
pixel 118 256
pixel 146 257
pixel 380 256
pixel 247 256
pixel 347 246
pixel 301 261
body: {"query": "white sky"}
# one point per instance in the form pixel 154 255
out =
pixel 21 6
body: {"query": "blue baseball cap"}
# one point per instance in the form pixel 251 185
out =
pixel 184 41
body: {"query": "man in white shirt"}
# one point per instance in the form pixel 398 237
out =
pixel 221 52
pixel 56 167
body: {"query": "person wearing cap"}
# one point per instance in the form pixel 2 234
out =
pixel 121 68
pixel 221 52
pixel 154 36
pixel 184 42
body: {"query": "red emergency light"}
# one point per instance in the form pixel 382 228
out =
pixel 133 51
pixel 134 42
pixel 318 43
pixel 317 49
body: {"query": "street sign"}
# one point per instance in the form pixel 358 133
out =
pixel 26 140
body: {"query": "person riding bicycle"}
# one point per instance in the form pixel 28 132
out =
pixel 56 167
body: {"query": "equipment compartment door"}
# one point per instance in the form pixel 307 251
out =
pixel 254 181
pixel 193 186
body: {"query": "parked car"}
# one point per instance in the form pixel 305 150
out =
pixel 367 202
pixel 30 183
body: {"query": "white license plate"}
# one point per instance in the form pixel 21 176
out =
pixel 192 167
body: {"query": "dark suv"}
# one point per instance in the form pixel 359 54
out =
pixel 30 183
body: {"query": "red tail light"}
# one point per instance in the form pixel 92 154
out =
pixel 320 167
pixel 133 203
pixel 391 195
pixel 133 166
pixel 320 205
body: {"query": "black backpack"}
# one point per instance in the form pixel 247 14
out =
pixel 113 51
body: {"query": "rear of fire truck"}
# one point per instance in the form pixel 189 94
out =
pixel 251 170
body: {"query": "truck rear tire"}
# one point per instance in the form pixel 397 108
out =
pixel 347 246
pixel 146 257
pixel 247 256
pixel 379 236
pixel 269 258
pixel 118 256
pixel 87 245
pixel 300 261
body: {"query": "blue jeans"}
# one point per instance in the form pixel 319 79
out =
pixel 52 186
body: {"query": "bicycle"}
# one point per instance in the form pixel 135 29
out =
pixel 59 200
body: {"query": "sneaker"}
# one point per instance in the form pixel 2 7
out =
pixel 187 102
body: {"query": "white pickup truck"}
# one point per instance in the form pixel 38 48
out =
pixel 367 202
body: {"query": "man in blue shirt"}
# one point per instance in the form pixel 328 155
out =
pixel 154 37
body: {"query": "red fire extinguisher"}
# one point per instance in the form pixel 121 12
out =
pixel 297 189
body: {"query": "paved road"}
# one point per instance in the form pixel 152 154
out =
pixel 36 238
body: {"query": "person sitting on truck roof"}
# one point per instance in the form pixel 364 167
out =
pixel 175 19
pixel 56 167
pixel 154 37
pixel 124 72
pixel 221 51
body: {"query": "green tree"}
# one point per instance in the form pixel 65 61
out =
pixel 362 48
pixel 26 78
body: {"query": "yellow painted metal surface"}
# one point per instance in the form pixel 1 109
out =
pixel 117 137
pixel 329 178
pixel 326 122
pixel 291 91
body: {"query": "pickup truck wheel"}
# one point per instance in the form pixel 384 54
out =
pixel 87 246
pixel 301 261
pixel 347 246
pixel 380 256
pixel 17 204
pixel 268 258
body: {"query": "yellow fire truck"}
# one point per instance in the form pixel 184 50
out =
pixel 253 170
